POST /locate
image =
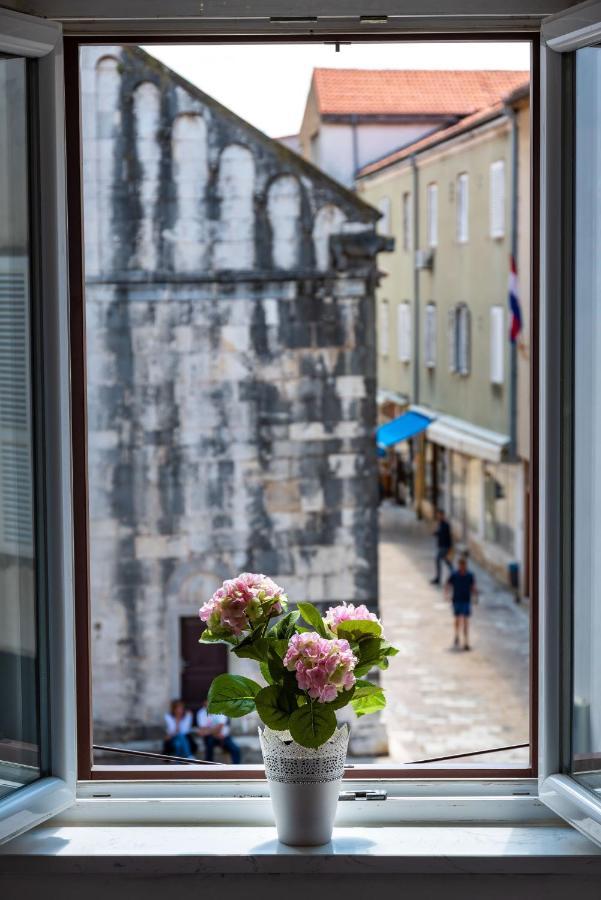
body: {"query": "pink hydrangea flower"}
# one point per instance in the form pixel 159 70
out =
pixel 345 613
pixel 323 668
pixel 240 603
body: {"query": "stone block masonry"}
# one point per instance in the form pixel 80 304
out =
pixel 231 375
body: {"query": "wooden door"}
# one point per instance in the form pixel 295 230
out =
pixel 200 662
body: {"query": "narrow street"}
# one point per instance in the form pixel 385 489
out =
pixel 440 700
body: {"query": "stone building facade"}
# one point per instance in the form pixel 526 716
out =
pixel 231 374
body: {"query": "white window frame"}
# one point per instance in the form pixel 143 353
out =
pixel 462 200
pixel 497 196
pixel 32 37
pixel 498 340
pixel 432 214
pixel 430 335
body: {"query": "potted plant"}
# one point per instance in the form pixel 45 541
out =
pixel 312 666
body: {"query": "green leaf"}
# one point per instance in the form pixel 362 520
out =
pixel 369 655
pixel 284 629
pixel 342 699
pixel 264 667
pixel 208 638
pixel 365 688
pixel 372 703
pixel 312 725
pixel 275 706
pixel 356 629
pixel 387 649
pixel 312 617
pixel 258 649
pixel 232 695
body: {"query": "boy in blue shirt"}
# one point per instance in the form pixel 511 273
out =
pixel 461 587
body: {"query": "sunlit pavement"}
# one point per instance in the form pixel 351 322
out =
pixel 440 700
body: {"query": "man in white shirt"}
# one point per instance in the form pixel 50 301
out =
pixel 215 729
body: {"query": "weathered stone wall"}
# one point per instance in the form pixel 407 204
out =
pixel 231 374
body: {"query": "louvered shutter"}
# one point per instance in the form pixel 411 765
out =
pixel 432 214
pixel 497 199
pixel 497 344
pixel 404 332
pixel 452 339
pixel 16 496
pixel 462 208
pixel 464 340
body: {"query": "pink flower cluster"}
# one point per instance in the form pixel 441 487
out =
pixel 323 668
pixel 346 613
pixel 240 603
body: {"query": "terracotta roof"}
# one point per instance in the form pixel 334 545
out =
pixel 403 92
pixel 444 134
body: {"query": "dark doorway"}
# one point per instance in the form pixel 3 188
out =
pixel 200 662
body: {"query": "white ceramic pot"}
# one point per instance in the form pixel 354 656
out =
pixel 304 785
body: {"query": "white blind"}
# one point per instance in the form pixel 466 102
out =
pixel 384 221
pixel 430 336
pixel 497 199
pixel 406 221
pixel 384 328
pixel 463 340
pixel 404 332
pixel 16 496
pixel 432 215
pixel 462 208
pixel 497 344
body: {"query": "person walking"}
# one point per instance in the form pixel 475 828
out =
pixel 461 587
pixel 444 544
pixel 215 729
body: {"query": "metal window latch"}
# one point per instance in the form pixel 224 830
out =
pixel 362 795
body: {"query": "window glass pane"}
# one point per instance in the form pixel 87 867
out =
pixel 19 732
pixel 586 737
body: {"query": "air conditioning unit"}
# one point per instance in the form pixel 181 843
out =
pixel 424 259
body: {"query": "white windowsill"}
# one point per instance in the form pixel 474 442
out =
pixel 202 851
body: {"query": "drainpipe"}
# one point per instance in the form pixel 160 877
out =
pixel 416 329
pixel 513 365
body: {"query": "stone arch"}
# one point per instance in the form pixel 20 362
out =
pixel 99 258
pixel 147 114
pixel 189 150
pixel 284 214
pixel 329 220
pixel 235 243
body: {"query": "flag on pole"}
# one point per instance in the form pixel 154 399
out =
pixel 514 302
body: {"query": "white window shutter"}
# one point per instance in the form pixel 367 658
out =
pixel 497 199
pixel 407 221
pixel 497 344
pixel 384 328
pixel 404 332
pixel 430 336
pixel 16 496
pixel 452 339
pixel 464 340
pixel 462 201
pixel 432 215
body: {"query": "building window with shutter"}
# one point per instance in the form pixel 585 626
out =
pixel 463 339
pixel 384 328
pixel 406 209
pixel 432 215
pixel 430 336
pixel 452 338
pixel 462 208
pixel 384 220
pixel 497 345
pixel 497 199
pixel 404 332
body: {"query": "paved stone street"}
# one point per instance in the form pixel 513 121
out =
pixel 440 700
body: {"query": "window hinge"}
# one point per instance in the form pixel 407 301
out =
pixel 362 795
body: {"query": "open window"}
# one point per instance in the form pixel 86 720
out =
pixel 570 772
pixel 37 775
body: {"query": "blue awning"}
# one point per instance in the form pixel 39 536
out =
pixel 400 429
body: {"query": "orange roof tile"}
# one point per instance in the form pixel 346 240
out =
pixel 410 91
